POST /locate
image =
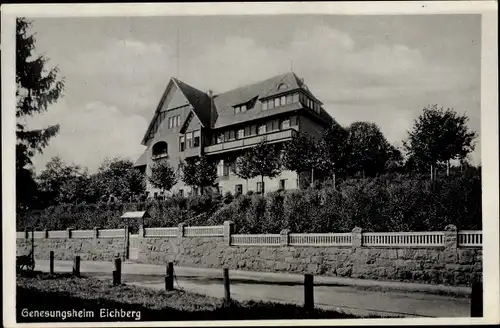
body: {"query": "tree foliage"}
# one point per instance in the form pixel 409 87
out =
pixel 334 148
pixel 54 179
pixel 36 88
pixel 369 150
pixel 119 179
pixel 162 175
pixel 262 160
pixel 300 154
pixel 199 172
pixel 438 136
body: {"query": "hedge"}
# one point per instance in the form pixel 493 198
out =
pixel 387 203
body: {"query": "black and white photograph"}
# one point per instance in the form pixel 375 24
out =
pixel 250 163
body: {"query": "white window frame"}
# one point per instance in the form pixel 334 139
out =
pixel 242 135
pixel 262 127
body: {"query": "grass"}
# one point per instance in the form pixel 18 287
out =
pixel 42 291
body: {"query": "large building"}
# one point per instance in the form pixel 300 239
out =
pixel 189 122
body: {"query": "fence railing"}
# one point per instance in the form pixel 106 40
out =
pixel 403 239
pixel 111 233
pixel 463 238
pixel 320 239
pixel 470 238
pixel 256 240
pixel 82 234
pixel 56 233
pixel 161 232
pixel 213 231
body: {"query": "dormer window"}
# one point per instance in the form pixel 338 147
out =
pixel 282 86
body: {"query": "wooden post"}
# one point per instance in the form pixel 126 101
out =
pixel 169 277
pixel 33 245
pixel 308 292
pixel 117 273
pixel 227 292
pixel 51 257
pixel 76 266
pixel 476 301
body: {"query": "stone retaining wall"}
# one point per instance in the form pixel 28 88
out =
pixel 447 264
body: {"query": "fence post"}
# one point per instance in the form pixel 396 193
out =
pixel 68 232
pixel 227 292
pixel 180 233
pixel 126 245
pixel 51 258
pixel 476 299
pixel 46 233
pixel 228 230
pixel 96 233
pixel 142 231
pixel 450 238
pixel 117 273
pixel 284 237
pixel 76 266
pixel 26 234
pixel 357 238
pixel 308 292
pixel 169 277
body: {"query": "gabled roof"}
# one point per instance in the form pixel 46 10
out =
pixel 198 99
pixel 225 101
pixel 218 111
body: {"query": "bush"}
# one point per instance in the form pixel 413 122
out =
pixel 392 202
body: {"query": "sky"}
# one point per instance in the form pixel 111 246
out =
pixel 381 69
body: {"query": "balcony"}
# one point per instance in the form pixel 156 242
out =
pixel 270 137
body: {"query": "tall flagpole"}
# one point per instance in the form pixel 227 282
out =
pixel 177 74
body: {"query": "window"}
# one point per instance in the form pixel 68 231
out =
pixel 283 184
pixel 262 129
pixel 178 121
pixel 220 138
pixel 260 187
pixel 231 135
pixel 295 98
pixel 241 133
pixel 283 100
pixel 282 86
pixel 271 103
pixel 289 99
pixel 237 109
pixel 196 142
pixel 160 148
pixel 285 124
pixel 276 102
pixel 181 143
pixel 243 108
pixel 238 189
pixel 189 140
pixel 265 105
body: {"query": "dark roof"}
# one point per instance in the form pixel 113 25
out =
pixel 199 100
pixel 218 111
pixel 225 101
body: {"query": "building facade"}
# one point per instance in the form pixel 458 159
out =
pixel 189 122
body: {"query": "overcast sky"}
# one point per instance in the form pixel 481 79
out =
pixel 382 69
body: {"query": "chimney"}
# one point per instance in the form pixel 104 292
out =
pixel 210 93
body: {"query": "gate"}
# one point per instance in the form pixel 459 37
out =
pixel 133 247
